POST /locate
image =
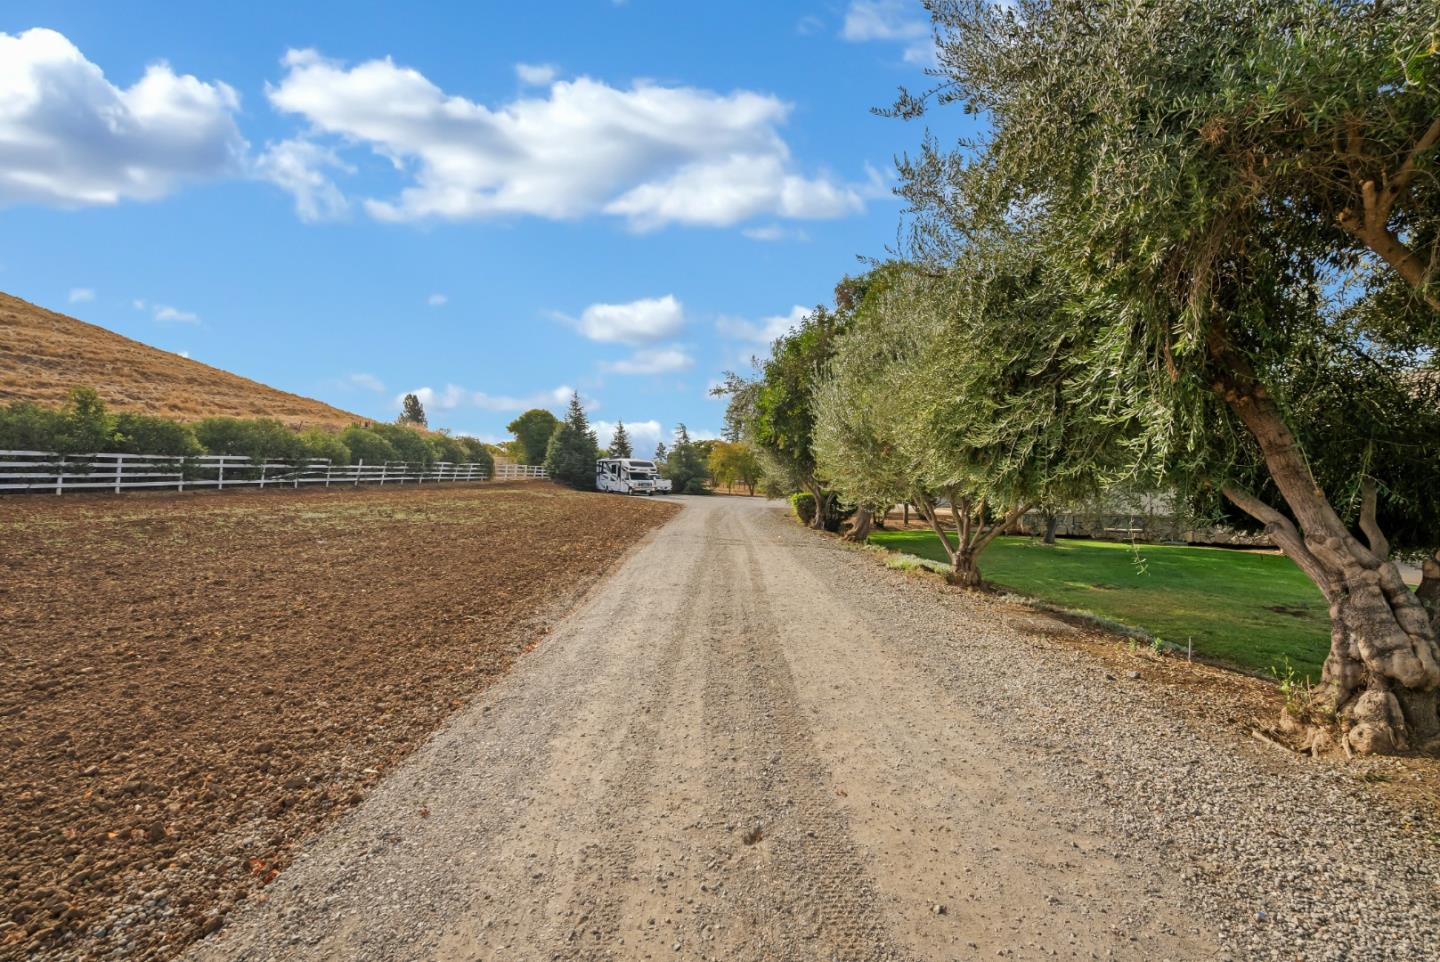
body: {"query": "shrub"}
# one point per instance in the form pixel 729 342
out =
pixel 409 444
pixel 445 448
pixel 803 505
pixel 365 445
pixel 29 427
pixel 478 452
pixel 260 439
pixel 147 434
pixel 81 427
pixel 88 428
pixel 319 443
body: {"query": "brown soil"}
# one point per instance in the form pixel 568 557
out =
pixel 44 354
pixel 191 685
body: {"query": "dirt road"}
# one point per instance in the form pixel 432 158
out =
pixel 754 744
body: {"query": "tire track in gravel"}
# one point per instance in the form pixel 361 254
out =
pixel 594 804
pixel 810 896
pixel 593 902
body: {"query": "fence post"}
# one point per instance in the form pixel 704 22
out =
pixel 119 470
pixel 182 476
pixel 60 476
pixel 263 466
pixel 384 470
pixel 222 474
pixel 359 470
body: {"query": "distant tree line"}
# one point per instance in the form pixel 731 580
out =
pixel 85 426
pixel 568 449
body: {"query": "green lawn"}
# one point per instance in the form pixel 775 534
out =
pixel 1249 609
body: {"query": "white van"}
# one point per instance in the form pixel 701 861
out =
pixel 627 476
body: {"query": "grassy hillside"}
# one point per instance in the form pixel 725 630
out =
pixel 44 354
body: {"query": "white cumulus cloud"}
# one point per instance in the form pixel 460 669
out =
pixel 70 137
pixel 299 166
pixel 651 153
pixel 775 232
pixel 536 74
pixel 437 300
pixel 644 435
pixel 660 360
pixel 453 396
pixel 766 329
pixel 164 312
pixel 634 322
pixel 80 295
pixel 892 21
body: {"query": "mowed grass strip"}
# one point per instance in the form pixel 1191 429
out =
pixel 1245 608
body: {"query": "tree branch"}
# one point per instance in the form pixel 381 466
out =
pixel 932 517
pixel 1408 170
pixel 1379 544
pixel 1371 224
pixel 1001 526
pixel 1287 538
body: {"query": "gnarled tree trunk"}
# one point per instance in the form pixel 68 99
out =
pixel 965 568
pixel 861 524
pixel 973 536
pixel 823 519
pixel 1381 675
pixel 1052 521
pixel 1429 590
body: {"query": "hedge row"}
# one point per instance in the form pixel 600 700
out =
pixel 84 426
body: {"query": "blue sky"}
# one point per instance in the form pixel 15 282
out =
pixel 355 200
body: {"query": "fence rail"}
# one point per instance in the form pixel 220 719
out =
pixel 46 472
pixel 519 472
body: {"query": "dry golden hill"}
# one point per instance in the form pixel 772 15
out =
pixel 44 354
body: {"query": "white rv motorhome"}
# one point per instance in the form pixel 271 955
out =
pixel 627 476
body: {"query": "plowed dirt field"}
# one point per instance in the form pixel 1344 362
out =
pixel 191 685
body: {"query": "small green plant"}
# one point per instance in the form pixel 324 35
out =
pixel 1296 688
pixel 1157 645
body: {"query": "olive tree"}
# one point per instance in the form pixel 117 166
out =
pixel 1213 173
pixel 859 420
pixel 775 414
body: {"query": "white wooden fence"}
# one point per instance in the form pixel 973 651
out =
pixel 519 472
pixel 45 472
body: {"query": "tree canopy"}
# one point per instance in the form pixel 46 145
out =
pixel 1231 208
pixel 532 431
pixel 620 442
pixel 685 464
pixel 412 411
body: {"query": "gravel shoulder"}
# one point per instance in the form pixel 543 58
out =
pixel 752 743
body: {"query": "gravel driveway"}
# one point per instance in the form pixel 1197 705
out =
pixel 754 744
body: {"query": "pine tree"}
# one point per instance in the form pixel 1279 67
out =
pixel 620 443
pixel 573 449
pixel 685 467
pixel 661 455
pixel 412 411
